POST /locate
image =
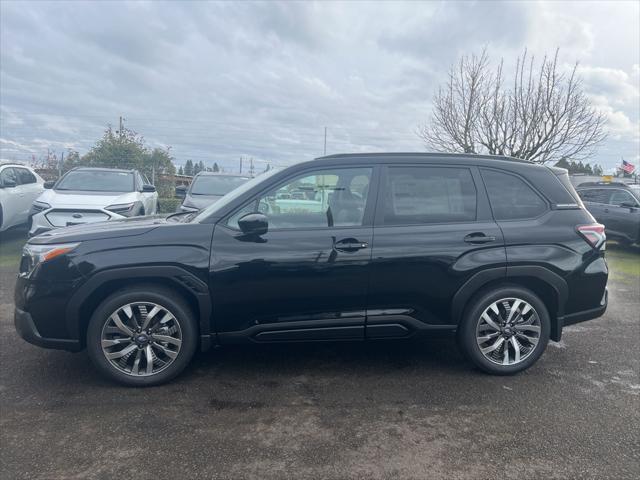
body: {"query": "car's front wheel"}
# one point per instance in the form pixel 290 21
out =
pixel 142 336
pixel 505 330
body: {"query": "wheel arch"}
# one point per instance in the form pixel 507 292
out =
pixel 101 285
pixel 550 287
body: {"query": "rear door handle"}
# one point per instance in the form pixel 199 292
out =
pixel 479 237
pixel 349 245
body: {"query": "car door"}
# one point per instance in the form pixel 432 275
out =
pixel 596 200
pixel 13 198
pixel 29 188
pixel 433 232
pixel 306 279
pixel 624 219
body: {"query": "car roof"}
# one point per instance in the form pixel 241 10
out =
pixel 103 169
pixel 603 185
pixel 218 174
pixel 12 164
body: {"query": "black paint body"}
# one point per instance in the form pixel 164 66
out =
pixel 334 283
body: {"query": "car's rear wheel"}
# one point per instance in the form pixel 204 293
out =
pixel 142 336
pixel 505 330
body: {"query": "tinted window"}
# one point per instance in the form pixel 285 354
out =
pixel 595 195
pixel 417 195
pixel 97 181
pixel 25 176
pixel 325 198
pixel 215 184
pixel 620 196
pixel 510 196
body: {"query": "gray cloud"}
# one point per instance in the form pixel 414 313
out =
pixel 220 80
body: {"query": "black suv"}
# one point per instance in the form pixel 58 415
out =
pixel 615 205
pixel 345 247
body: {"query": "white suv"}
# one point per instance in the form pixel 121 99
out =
pixel 19 187
pixel 88 195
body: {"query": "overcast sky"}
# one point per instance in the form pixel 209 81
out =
pixel 219 80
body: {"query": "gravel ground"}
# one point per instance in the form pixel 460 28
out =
pixel 348 410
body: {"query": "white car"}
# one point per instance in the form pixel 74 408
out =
pixel 19 187
pixel 88 195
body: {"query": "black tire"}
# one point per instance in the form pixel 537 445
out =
pixel 161 296
pixel 472 317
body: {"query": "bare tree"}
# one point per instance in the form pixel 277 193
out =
pixel 543 116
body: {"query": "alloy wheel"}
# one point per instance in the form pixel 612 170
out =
pixel 508 331
pixel 141 338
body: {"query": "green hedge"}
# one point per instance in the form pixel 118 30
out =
pixel 168 205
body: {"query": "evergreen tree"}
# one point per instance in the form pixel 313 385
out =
pixel 216 168
pixel 188 168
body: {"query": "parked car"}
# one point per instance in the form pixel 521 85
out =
pixel 19 187
pixel 207 188
pixel 499 250
pixel 89 195
pixel 615 205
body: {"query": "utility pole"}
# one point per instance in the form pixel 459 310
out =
pixel 251 167
pixel 240 164
pixel 60 165
pixel 121 126
pixel 325 140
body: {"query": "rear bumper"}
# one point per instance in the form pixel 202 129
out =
pixel 26 328
pixel 584 315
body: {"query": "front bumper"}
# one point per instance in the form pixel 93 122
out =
pixel 26 328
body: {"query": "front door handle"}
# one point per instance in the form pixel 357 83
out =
pixel 349 245
pixel 479 237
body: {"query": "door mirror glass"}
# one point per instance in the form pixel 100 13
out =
pixel 148 188
pixel 254 224
pixel 49 184
pixel 181 191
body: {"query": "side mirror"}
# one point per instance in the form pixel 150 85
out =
pixel 49 184
pixel 8 183
pixel 181 191
pixel 628 205
pixel 255 224
pixel 148 188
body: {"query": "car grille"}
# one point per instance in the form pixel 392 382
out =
pixel 64 218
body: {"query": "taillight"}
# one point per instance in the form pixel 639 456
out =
pixel 593 234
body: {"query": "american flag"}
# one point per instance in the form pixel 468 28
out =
pixel 627 167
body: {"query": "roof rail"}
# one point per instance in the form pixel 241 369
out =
pixel 426 154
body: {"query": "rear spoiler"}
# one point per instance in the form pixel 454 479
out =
pixel 562 174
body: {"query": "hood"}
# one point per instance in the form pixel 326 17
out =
pixel 75 199
pixel 201 201
pixel 100 230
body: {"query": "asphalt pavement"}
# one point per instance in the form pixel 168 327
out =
pixel 412 409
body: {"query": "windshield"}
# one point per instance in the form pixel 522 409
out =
pixel 215 184
pixel 231 196
pixel 96 181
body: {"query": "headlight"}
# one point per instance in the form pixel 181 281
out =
pixel 38 207
pixel 34 255
pixel 125 209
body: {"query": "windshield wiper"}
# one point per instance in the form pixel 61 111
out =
pixel 182 217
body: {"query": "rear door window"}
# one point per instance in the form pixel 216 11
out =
pixel 595 195
pixel 511 197
pixel 8 175
pixel 426 195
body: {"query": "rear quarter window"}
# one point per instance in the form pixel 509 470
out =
pixel 511 197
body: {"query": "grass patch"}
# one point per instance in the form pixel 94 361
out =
pixel 624 262
pixel 11 247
